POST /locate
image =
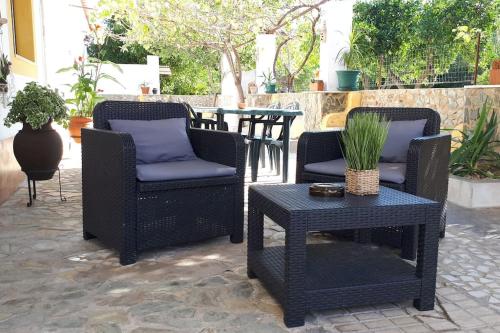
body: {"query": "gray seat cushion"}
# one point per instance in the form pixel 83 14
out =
pixel 389 172
pixel 157 141
pixel 176 170
pixel 398 139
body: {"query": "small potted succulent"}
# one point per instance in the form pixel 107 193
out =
pixel 144 88
pixel 363 141
pixel 37 146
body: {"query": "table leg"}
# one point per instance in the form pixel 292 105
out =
pixel 295 262
pixel 220 121
pixel 255 232
pixel 286 146
pixel 427 260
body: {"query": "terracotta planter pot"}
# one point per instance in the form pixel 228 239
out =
pixel 362 182
pixel 38 152
pixel 317 85
pixel 75 127
pixel 242 105
pixel 495 72
pixel 145 90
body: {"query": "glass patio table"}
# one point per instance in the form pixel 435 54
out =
pixel 287 115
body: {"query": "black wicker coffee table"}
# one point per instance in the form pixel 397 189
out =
pixel 325 276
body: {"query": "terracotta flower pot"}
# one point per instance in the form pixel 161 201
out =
pixel 75 127
pixel 145 90
pixel 317 85
pixel 242 105
pixel 38 152
pixel 495 72
pixel 362 182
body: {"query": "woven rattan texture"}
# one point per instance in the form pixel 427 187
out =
pixel 133 216
pixel 324 276
pixel 426 172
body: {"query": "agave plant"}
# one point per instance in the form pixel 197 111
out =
pixel 476 156
pixel 364 140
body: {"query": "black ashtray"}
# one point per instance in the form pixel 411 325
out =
pixel 326 190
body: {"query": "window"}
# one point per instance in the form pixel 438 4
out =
pixel 22 27
pixel 22 38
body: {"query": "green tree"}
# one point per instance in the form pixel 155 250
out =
pixel 114 49
pixel 228 27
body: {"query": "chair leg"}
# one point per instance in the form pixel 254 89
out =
pixel 87 235
pixel 128 257
pixel 262 152
pixel 248 159
pixel 255 152
pixel 270 153
pixel 277 151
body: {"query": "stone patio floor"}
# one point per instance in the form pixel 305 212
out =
pixel 51 280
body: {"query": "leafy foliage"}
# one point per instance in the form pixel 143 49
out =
pixel 36 105
pixel 363 141
pixel 4 68
pixel 476 156
pixel 411 34
pixel 114 49
pixel 88 72
pixel 353 56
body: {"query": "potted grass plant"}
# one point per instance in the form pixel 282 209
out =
pixel 363 141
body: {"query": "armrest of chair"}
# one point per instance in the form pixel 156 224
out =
pixel 317 147
pixel 221 147
pixel 427 167
pixel 109 187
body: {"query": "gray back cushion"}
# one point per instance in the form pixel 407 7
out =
pixel 163 140
pixel 399 137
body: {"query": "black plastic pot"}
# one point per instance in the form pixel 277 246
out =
pixel 38 152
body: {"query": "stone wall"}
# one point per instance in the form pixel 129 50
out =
pixel 322 110
pixel 449 102
pixel 475 97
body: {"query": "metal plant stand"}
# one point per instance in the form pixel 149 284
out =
pixel 32 194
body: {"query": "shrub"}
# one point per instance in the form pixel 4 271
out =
pixel 36 105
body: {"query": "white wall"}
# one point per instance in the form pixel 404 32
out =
pixel 17 82
pixel 265 46
pixel 131 77
pixel 336 17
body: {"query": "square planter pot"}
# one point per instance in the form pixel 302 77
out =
pixel 472 193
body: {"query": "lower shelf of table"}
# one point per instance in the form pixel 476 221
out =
pixel 339 275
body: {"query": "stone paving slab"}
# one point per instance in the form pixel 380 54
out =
pixel 54 281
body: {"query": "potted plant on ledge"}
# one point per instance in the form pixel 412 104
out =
pixel 349 57
pixel 269 82
pixel 363 141
pixel 144 88
pixel 475 164
pixel 38 147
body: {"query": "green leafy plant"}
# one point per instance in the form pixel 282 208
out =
pixel 88 72
pixel 36 105
pixel 4 68
pixel 363 141
pixel 476 156
pixel 351 56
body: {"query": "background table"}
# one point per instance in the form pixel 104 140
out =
pixel 322 276
pixel 252 112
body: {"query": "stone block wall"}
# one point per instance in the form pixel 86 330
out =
pixel 449 102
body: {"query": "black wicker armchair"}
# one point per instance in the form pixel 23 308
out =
pixel 131 215
pixel 426 168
